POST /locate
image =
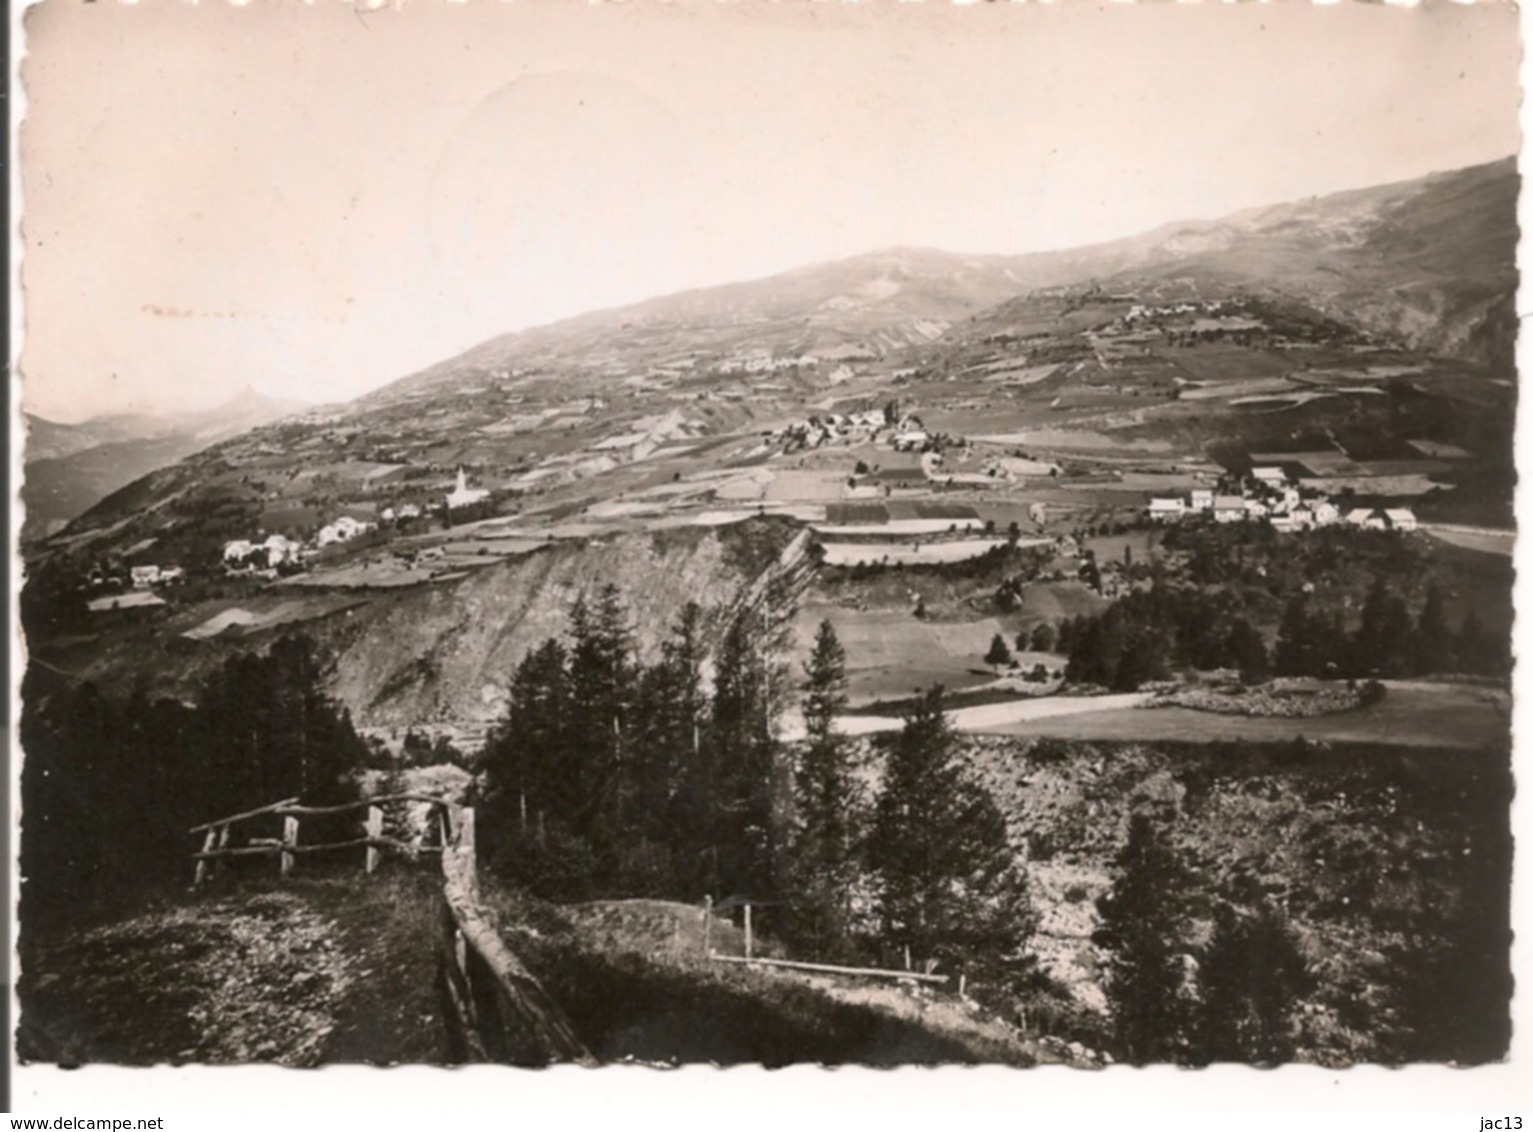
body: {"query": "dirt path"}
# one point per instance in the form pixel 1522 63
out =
pixel 315 972
pixel 985 717
pixel 392 1012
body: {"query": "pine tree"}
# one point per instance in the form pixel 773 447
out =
pixel 1434 641
pixel 529 779
pixel 666 741
pixel 1043 637
pixel 1384 644
pixel 1251 980
pixel 601 677
pixel 999 654
pixel 1141 926
pixel 1295 652
pixel 949 887
pixel 828 803
pixel 1249 651
pixel 744 750
pixel 1143 660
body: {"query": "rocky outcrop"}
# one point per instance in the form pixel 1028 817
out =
pixel 445 653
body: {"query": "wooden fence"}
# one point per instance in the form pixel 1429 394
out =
pixel 752 960
pixel 497 1009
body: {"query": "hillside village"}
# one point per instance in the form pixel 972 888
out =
pixel 850 501
pixel 1284 504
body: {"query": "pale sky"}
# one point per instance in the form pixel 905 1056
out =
pixel 315 201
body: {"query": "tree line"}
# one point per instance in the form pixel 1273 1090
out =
pixel 612 777
pixel 109 787
pixel 1147 634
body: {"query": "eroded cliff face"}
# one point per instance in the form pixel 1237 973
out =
pixel 445 653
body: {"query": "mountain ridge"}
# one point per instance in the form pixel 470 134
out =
pixel 1288 247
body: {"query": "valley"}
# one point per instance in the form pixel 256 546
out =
pixel 1209 529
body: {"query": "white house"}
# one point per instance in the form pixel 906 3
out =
pixel 1325 511
pixel 238 550
pixel 343 529
pixel 1272 477
pixel 909 441
pixel 1366 518
pixel 463 495
pixel 1229 508
pixel 279 549
pixel 1202 499
pixel 1167 508
pixel 144 576
pixel 1400 518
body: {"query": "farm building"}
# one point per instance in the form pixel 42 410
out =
pixel 900 478
pixel 1229 508
pixel 1166 508
pixel 1400 519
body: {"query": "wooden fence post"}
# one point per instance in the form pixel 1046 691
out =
pixel 289 839
pixel 747 931
pixel 208 844
pixel 467 848
pixel 374 830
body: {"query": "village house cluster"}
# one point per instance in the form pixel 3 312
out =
pixel 908 433
pixel 1268 495
pixel 139 577
pixel 266 557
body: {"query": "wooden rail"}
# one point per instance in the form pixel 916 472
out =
pixel 497 1009
pixel 501 1006
pixel 828 968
